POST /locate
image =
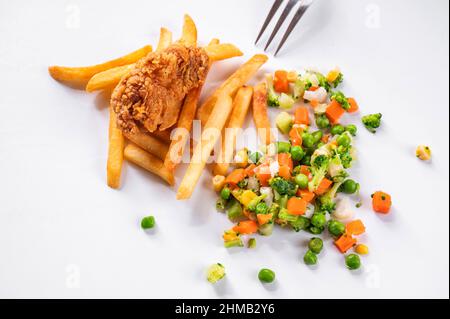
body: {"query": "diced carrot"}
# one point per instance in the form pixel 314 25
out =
pixel 296 206
pixel 263 174
pixel 314 103
pixel 345 242
pixel 295 135
pixel 250 170
pixel 334 112
pixel 285 159
pixel 313 88
pixel 325 138
pixel 246 227
pixel 285 172
pixel 302 116
pixel 264 218
pixel 306 170
pixel 306 195
pixel 354 107
pixel 381 202
pixel 323 187
pixel 280 82
pixel 235 177
pixel 355 227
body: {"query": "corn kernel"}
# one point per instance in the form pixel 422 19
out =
pixel 423 152
pixel 218 182
pixel 247 197
pixel 362 249
pixel 333 75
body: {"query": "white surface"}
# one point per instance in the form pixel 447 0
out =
pixel 63 233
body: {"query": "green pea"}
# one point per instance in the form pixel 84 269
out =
pixel 337 130
pixel 302 181
pixel 344 140
pixel 283 147
pixel 352 129
pixel 310 258
pixel 353 262
pixel 225 193
pixel 317 136
pixel 316 230
pixel 297 153
pixel 255 157
pixel 322 121
pixel 336 228
pixel 266 275
pixel 148 222
pixel 319 220
pixel 315 245
pixel 349 186
pixel 308 140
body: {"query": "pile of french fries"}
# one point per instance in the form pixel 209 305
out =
pixel 160 152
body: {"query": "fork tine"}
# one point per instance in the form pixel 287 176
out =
pixel 275 7
pixel 298 15
pixel 283 17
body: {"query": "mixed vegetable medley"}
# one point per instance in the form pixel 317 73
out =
pixel 295 183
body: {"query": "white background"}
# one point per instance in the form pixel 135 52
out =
pixel 64 233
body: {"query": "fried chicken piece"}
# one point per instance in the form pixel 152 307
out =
pixel 152 93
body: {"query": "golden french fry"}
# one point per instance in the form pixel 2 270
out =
pixel 210 136
pixel 232 84
pixel 115 152
pixel 149 144
pixel 260 114
pixel 79 76
pixel 241 104
pixel 165 39
pixel 108 78
pixel 189 36
pixel 218 52
pixel 112 77
pixel 163 136
pixel 148 162
pixel 187 115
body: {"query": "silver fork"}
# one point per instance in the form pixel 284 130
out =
pixel 304 5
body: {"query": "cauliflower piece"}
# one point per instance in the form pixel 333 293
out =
pixel 344 210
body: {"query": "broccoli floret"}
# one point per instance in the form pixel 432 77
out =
pixel 301 223
pixel 283 187
pixel 372 122
pixel 320 162
pixel 325 203
pixel 336 169
pixel 262 208
pixel 338 80
pixel 273 100
pixel 323 81
pixel 341 99
pixel 254 202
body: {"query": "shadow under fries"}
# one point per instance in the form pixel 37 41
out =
pixel 102 99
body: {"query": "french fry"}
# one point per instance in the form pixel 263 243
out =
pixel 163 136
pixel 218 52
pixel 189 35
pixel 108 78
pixel 79 76
pixel 115 152
pixel 241 104
pixel 260 114
pixel 112 77
pixel 187 115
pixel 210 136
pixel 165 39
pixel 149 143
pixel 148 162
pixel 232 84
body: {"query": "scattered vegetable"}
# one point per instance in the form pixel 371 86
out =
pixel 353 262
pixel 372 122
pixel 148 222
pixel 215 273
pixel 381 202
pixel 266 275
pixel 423 152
